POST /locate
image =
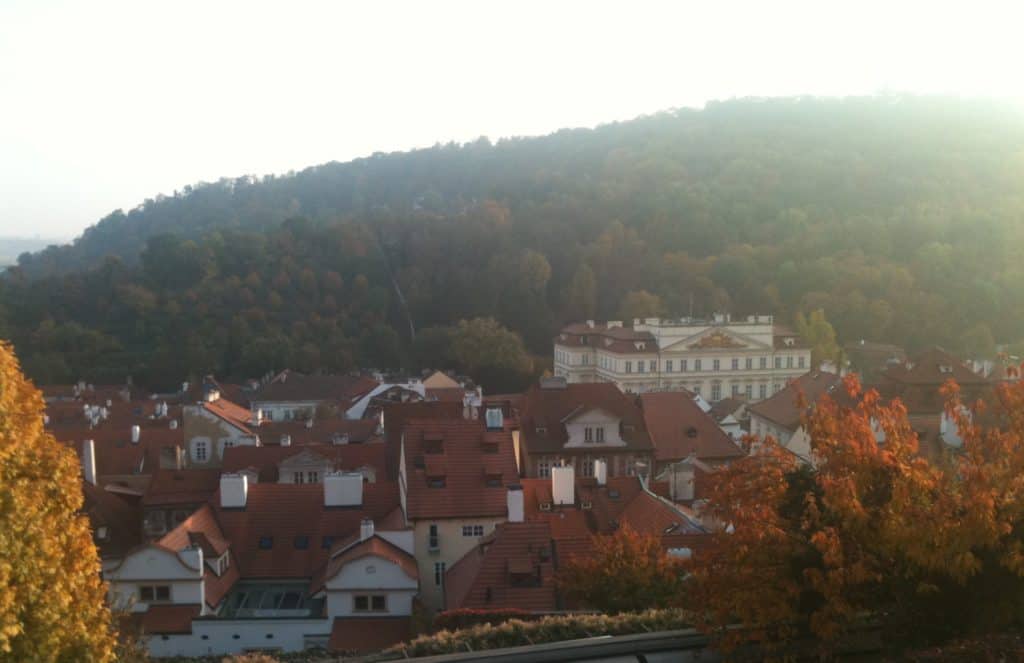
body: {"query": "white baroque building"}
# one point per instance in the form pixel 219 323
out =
pixel 718 358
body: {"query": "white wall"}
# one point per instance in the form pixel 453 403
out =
pixel 576 430
pixel 288 635
pixel 153 566
pixel 399 603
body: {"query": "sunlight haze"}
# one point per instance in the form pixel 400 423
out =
pixel 108 103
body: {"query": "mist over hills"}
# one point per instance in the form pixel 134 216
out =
pixel 899 216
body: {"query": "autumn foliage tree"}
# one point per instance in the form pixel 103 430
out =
pixel 52 604
pixel 873 532
pixel 627 571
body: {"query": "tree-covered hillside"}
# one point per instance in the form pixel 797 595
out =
pixel 900 217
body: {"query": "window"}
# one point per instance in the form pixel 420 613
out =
pixel 749 363
pixel 433 540
pixel 369 603
pixel 789 362
pixel 588 434
pixel 735 364
pixel 326 542
pixel 640 365
pixel 473 530
pixel 543 468
pixel 716 392
pixel 653 366
pixel 439 573
pixel 302 542
pixel 200 450
pixel 266 542
pixel 298 477
pixel 668 366
pixel 587 467
pixel 312 477
pixel 715 365
pixel 682 365
pixel 735 390
pixel 629 367
pixel 777 388
pixel 599 434
pixel 696 364
pixel 801 362
pixel 778 362
pixel 151 593
pixel 764 362
pixel 749 391
pixel 762 391
pixel 696 390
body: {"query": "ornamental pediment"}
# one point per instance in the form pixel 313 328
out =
pixel 717 340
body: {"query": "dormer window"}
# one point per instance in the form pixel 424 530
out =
pixel 945 368
pixel 542 430
pixel 640 345
pixel 545 506
pixel 266 542
pixel 585 505
pixel 790 341
pixel 433 443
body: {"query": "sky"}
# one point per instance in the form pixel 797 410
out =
pixel 104 103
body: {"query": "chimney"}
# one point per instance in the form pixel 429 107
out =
pixel 601 471
pixel 257 417
pixel 174 424
pixel 343 489
pixel 184 387
pixel 286 440
pixel 136 432
pixel 110 403
pixel 211 395
pixel 309 424
pixel 563 485
pixel 590 324
pixel 365 529
pixel 514 501
pixel 682 479
pixel 89 461
pixel 234 489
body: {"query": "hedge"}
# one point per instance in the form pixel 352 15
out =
pixel 516 632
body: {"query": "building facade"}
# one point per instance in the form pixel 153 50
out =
pixel 719 358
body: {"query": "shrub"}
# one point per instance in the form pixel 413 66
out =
pixel 466 617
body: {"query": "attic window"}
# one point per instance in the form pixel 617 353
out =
pixel 102 533
pixel 436 482
pixel 945 368
pixel 691 432
pixel 640 345
pixel 545 506
pixel 613 493
pixel 542 430
pixel 301 542
pixel 326 542
pixel 266 542
pixel 585 505
pixel 790 341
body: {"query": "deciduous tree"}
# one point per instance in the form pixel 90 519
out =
pixel 52 605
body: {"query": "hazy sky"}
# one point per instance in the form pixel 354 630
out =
pixel 105 103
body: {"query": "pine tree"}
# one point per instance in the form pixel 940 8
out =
pixel 52 604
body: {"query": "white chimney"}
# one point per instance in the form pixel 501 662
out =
pixel 184 387
pixel 136 433
pixel 343 489
pixel 365 529
pixel 601 471
pixel 309 424
pixel 234 489
pixel 174 424
pixel 110 403
pixel 89 461
pixel 257 417
pixel 514 501
pixel 563 485
pixel 286 440
pixel 211 395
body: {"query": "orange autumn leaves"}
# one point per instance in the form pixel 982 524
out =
pixel 872 532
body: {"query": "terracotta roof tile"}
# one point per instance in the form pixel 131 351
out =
pixel 678 427
pixel 271 510
pixel 364 635
pixel 123 521
pixel 545 410
pixel 234 414
pixel 266 459
pixel 203 529
pixel 169 619
pixel 374 546
pixel 782 408
pixel 466 491
pixel 292 386
pixel 189 486
pixel 396 415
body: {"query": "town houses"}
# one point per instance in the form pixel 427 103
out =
pixel 338 512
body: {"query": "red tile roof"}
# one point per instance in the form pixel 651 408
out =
pixel 123 521
pixel 271 511
pixel 466 492
pixel 933 367
pixel 544 411
pixel 322 431
pixel 169 619
pixel 678 428
pixel 447 394
pixel 190 486
pixel 266 459
pixel 115 453
pixel 234 414
pixel 364 635
pixel 374 546
pixel 397 414
pixel 203 529
pixel 482 579
pixel 783 407
pixel 292 386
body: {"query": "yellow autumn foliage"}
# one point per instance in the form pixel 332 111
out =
pixel 52 604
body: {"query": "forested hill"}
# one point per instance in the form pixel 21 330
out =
pixel 901 217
